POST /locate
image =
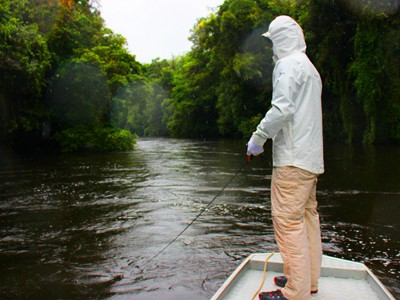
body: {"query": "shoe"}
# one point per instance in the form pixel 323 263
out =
pixel 281 281
pixel 272 295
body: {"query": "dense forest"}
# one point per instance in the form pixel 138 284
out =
pixel 67 82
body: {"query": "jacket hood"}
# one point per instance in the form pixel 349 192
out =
pixel 286 36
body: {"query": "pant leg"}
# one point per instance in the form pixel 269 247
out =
pixel 290 192
pixel 314 237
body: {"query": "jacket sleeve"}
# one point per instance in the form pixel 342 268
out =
pixel 283 108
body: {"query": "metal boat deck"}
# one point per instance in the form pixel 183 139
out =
pixel 340 279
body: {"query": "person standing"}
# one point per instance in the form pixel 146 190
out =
pixel 294 123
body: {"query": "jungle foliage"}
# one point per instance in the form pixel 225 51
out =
pixel 67 80
pixel 223 86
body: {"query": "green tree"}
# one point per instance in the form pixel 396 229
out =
pixel 77 26
pixel 193 101
pixel 222 87
pixel 376 80
pixel 130 104
pixel 238 63
pixel 160 74
pixel 355 49
pixel 329 45
pixel 112 57
pixel 24 60
pixel 59 70
pixel 78 95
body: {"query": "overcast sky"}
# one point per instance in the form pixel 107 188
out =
pixel 156 28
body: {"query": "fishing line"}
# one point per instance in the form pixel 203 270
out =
pixel 201 212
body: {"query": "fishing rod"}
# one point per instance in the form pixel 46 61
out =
pixel 248 158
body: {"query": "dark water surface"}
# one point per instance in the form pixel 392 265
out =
pixel 83 226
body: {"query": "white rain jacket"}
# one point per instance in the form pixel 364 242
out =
pixel 295 120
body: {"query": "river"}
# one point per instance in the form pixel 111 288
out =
pixel 84 226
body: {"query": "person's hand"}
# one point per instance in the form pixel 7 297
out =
pixel 253 148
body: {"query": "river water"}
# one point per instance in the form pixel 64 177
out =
pixel 84 226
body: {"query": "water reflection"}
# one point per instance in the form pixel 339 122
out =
pixel 76 226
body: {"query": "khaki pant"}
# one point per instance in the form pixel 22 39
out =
pixel 297 229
